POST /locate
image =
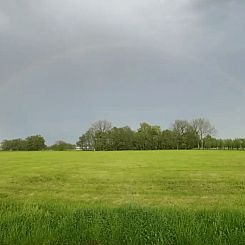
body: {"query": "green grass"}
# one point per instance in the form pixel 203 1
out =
pixel 58 224
pixel 143 197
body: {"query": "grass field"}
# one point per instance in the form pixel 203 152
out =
pixel 143 197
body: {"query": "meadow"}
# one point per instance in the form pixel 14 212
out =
pixel 128 197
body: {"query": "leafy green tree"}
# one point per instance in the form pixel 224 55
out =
pixel 185 135
pixel 102 141
pixel 87 141
pixel 13 145
pixel 190 139
pixel 148 137
pixel 35 143
pixel 228 144
pixel 167 140
pixel 97 137
pixel 242 143
pixel 61 146
pixel 210 142
pixel 237 144
pixel 31 143
pixel 220 144
pixel 122 138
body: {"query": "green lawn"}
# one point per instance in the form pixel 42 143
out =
pixel 165 197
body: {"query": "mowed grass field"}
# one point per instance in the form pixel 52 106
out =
pixel 129 197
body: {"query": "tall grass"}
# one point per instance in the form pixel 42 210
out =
pixel 61 224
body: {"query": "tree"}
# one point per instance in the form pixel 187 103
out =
pixel 101 126
pixel 148 137
pixel 242 143
pixel 180 128
pixel 87 141
pixel 102 141
pixel 61 146
pixel 31 143
pixel 96 138
pixel 237 143
pixel 13 145
pixel 228 144
pixel 35 143
pixel 121 138
pixel 182 135
pixel 210 143
pixel 203 128
pixel 220 144
pixel 167 140
pixel 190 138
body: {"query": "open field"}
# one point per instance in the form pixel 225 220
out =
pixel 154 178
pixel 167 197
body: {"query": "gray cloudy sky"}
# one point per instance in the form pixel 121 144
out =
pixel 67 63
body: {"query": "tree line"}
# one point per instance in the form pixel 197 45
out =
pixel 102 136
pixel 31 143
pixel 196 134
pixel 34 143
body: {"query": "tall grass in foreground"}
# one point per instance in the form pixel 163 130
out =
pixel 60 224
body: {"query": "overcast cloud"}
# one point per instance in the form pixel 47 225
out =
pixel 67 63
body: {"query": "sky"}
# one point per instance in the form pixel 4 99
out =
pixel 65 64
